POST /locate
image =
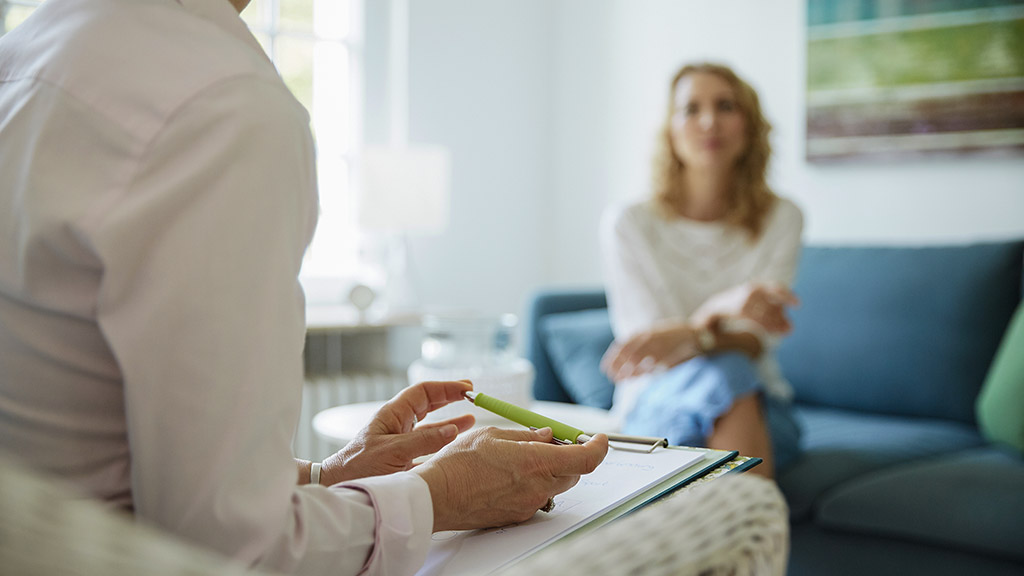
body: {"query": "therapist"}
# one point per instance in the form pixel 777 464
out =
pixel 158 193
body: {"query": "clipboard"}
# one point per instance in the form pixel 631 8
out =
pixel 712 465
pixel 479 552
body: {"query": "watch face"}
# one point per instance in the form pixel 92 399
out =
pixel 706 340
pixel 361 296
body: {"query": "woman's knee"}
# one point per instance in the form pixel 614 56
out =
pixel 735 372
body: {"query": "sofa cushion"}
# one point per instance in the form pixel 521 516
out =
pixel 546 384
pixel 817 551
pixel 902 331
pixel 839 446
pixel 575 343
pixel 1001 401
pixel 972 500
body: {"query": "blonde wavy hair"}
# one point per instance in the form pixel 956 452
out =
pixel 750 199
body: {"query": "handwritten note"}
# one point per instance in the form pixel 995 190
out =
pixel 620 477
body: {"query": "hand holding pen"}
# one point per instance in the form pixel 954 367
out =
pixel 397 434
pixel 487 477
pixel 493 477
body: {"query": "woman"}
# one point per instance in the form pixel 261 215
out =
pixel 698 276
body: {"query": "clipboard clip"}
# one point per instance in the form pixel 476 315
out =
pixel 645 444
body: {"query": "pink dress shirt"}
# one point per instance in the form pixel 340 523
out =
pixel 158 192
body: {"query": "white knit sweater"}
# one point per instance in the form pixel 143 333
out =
pixel 659 269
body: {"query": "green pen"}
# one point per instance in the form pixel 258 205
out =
pixel 562 433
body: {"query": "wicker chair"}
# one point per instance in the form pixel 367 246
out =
pixel 734 525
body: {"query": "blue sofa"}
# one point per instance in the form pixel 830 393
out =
pixel 889 350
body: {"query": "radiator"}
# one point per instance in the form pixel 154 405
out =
pixel 348 365
pixel 323 392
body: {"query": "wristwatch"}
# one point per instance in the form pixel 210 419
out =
pixel 705 340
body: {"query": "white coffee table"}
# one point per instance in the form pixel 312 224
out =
pixel 339 425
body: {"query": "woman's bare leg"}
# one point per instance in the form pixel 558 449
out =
pixel 743 428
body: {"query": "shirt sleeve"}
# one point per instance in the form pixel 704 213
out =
pixel 634 300
pixel 201 306
pixel 783 238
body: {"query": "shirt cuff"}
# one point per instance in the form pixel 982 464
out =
pixel 405 522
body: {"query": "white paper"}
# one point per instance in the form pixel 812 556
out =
pixel 620 477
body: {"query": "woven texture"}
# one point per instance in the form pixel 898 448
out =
pixel 735 526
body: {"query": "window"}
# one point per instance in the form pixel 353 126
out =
pixel 317 47
pixel 14 12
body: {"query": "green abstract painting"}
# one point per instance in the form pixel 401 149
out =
pixel 889 78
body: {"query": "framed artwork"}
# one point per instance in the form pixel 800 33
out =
pixel 891 78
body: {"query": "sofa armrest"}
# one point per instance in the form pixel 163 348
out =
pixel 546 385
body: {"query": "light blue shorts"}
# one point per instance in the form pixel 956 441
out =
pixel 683 403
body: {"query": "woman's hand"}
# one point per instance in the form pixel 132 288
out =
pixel 664 346
pixel 766 304
pixel 493 477
pixel 391 441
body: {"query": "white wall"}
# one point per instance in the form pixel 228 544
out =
pixel 938 200
pixel 478 85
pixel 944 199
pixel 550 109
